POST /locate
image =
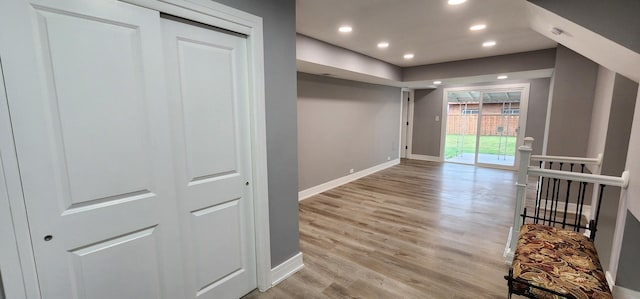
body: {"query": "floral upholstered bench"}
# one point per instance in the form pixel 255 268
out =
pixel 550 262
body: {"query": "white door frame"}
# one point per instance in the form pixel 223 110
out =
pixel 16 253
pixel 524 106
pixel 404 119
pixel 202 11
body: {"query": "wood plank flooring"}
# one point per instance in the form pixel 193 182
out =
pixel 416 230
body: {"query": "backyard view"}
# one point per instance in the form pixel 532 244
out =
pixel 466 144
pixel 490 118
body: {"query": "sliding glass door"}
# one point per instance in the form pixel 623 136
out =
pixel 483 125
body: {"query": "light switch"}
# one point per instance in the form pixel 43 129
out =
pixel 437 117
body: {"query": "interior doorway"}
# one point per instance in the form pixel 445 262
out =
pixel 484 125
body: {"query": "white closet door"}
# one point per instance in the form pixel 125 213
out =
pixel 88 109
pixel 207 81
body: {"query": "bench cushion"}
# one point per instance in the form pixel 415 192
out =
pixel 560 260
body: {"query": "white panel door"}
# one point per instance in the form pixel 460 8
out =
pixel 207 81
pixel 86 96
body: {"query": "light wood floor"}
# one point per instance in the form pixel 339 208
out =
pixel 416 230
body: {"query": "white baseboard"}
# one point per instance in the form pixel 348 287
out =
pixel 425 158
pixel 304 194
pixel 610 279
pixel 623 293
pixel 508 253
pixel 286 269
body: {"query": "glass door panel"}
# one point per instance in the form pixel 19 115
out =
pixel 498 127
pixel 463 109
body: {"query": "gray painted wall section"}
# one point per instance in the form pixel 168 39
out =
pixel 615 19
pixel 426 130
pixel 602 99
pixel 342 125
pixel 623 101
pixel 319 52
pixel 526 61
pixel 572 103
pixel 629 269
pixel 428 104
pixel 279 21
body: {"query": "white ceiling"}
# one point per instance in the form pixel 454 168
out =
pixel 431 29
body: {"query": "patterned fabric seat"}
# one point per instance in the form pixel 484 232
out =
pixel 559 260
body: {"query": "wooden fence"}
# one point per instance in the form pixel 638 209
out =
pixel 491 125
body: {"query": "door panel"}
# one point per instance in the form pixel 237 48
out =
pixel 207 74
pixel 128 256
pixel 84 83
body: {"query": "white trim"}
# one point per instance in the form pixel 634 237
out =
pixel 618 235
pixel 425 158
pixel 610 281
pixel 404 147
pixel 624 293
pixel 16 254
pixel 586 42
pixel 565 159
pixel 410 108
pixel 286 269
pixel 508 252
pixel 304 194
pixel 547 120
pixel 622 181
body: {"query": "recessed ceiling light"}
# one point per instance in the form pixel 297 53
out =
pixel 477 27
pixel 408 56
pixel 456 2
pixel 383 45
pixel 345 29
pixel 437 82
pixel 489 44
pixel 502 77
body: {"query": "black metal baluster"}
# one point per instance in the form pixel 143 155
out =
pixel 580 204
pixel 553 196
pixel 557 198
pixel 536 211
pixel 595 224
pixel 546 197
pixel 575 221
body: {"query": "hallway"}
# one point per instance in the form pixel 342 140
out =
pixel 416 230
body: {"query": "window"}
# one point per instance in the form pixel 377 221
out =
pixel 511 111
pixel 470 111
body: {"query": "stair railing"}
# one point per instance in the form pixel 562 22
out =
pixel 548 188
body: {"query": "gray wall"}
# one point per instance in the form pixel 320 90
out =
pixel 572 103
pixel 629 267
pixel 525 61
pixel 426 130
pixel 322 53
pixel 428 104
pixel 342 125
pixel 279 22
pixel 623 101
pixel 602 98
pixel 615 19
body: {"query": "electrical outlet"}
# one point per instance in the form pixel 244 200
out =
pixel 351 170
pixel 388 158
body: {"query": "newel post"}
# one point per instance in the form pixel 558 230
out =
pixel 521 191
